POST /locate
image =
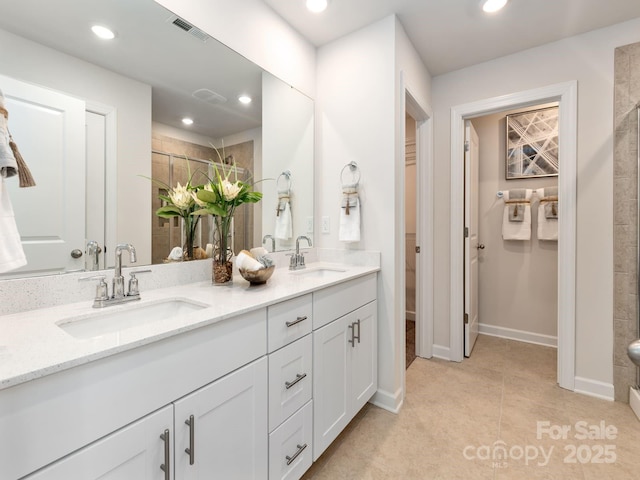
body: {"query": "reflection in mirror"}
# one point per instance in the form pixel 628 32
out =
pixel 132 94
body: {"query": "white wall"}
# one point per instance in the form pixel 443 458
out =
pixel 587 58
pixel 360 117
pixel 517 280
pixel 34 63
pixel 255 31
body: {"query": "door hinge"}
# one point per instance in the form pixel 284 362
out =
pixel 466 232
pixel 466 146
pixel 417 249
pixel 466 318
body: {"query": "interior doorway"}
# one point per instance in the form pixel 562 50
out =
pixel 410 205
pixel 566 96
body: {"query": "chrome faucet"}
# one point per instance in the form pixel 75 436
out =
pixel 273 242
pixel 118 279
pixel 93 255
pixel 297 259
pixel 102 298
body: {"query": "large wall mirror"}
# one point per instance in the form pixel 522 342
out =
pixel 94 119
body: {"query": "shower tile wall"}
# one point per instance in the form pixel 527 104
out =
pixel 166 232
pixel 625 195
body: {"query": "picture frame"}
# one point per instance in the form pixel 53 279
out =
pixel 532 144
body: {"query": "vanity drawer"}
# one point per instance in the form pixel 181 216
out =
pixel 288 321
pixel 290 380
pixel 333 302
pixel 292 437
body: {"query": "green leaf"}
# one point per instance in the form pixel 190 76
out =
pixel 207 196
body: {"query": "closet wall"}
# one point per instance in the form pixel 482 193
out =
pixel 518 280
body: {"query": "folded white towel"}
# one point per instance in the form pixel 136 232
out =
pixel 248 263
pixel 8 163
pixel 11 252
pixel 350 224
pixel 547 224
pixel 521 229
pixel 284 224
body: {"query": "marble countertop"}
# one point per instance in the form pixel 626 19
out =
pixel 32 344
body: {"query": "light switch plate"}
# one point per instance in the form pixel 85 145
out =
pixel 326 225
pixel 309 224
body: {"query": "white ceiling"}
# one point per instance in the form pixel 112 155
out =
pixel 453 34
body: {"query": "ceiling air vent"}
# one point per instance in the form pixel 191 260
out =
pixel 187 27
pixel 209 96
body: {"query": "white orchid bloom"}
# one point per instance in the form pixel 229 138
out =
pixel 230 190
pixel 181 197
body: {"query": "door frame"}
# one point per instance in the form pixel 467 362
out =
pixel 566 94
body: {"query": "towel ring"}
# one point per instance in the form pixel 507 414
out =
pixel 355 172
pixel 287 175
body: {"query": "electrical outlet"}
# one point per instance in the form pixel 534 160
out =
pixel 309 224
pixel 326 225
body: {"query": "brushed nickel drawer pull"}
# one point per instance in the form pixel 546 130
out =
pixel 358 336
pixel 296 321
pixel 353 335
pixel 295 455
pixel 166 466
pixel 299 377
pixel 192 440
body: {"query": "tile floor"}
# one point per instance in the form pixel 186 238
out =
pixel 456 415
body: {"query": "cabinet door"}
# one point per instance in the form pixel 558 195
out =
pixel 230 438
pixel 364 356
pixel 135 451
pixel 330 384
pixel 290 446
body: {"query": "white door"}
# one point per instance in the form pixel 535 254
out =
pixel 364 353
pixel 230 437
pixel 472 244
pixel 49 129
pixel 135 451
pixel 331 379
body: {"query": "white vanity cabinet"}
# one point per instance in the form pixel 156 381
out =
pixel 136 451
pixel 225 437
pixel 344 357
pixel 48 418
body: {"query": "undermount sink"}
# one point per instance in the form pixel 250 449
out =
pixel 123 317
pixel 318 272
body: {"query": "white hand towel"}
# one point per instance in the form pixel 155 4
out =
pixel 11 252
pixel 517 230
pixel 350 224
pixel 547 227
pixel 8 163
pixel 284 229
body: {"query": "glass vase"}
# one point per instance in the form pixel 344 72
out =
pixel 222 264
pixel 189 228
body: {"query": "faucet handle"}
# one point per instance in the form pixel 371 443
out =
pixel 301 260
pixel 102 290
pixel 133 282
pixel 294 260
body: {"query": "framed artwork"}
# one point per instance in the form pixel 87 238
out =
pixel 532 144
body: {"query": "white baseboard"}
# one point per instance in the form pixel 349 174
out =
pixel 519 335
pixel 594 388
pixel 388 401
pixel 634 401
pixel 410 315
pixel 441 352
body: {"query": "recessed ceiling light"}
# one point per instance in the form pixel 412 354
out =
pixel 187 121
pixel 103 32
pixel 246 99
pixel 491 6
pixel 317 6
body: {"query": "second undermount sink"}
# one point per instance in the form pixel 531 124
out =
pixel 318 272
pixel 123 317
